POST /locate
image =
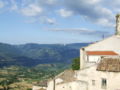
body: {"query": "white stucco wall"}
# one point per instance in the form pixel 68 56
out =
pixel 93 58
pixel 113 78
pixel 50 83
pixel 108 44
pixel 97 58
pixel 85 78
pixel 75 85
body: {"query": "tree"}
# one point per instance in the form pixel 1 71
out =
pixel 76 64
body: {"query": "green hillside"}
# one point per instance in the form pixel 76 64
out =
pixel 34 54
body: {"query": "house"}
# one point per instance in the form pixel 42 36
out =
pixel 99 66
pixel 95 56
pixel 92 53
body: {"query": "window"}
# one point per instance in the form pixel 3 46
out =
pixel 104 83
pixel 93 82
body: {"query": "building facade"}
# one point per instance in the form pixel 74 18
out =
pixel 99 66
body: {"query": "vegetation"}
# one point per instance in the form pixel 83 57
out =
pixel 22 66
pixel 76 64
pixel 15 77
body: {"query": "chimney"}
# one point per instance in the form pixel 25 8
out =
pixel 82 58
pixel 117 24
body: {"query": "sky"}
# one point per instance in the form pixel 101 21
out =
pixel 56 21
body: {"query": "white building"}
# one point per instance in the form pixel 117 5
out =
pixel 96 56
pixel 99 66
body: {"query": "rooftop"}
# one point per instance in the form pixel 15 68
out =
pixel 109 64
pixel 67 76
pixel 101 53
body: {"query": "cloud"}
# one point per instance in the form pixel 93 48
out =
pixel 51 21
pixel 32 10
pixel 2 4
pixel 48 4
pixel 36 10
pixel 65 13
pixel 92 10
pixel 99 12
pixel 51 2
pixel 46 20
pixel 83 31
pixel 105 22
pixel 112 5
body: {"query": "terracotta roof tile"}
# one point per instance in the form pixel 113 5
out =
pixel 101 53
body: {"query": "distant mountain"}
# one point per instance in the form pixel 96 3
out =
pixel 34 54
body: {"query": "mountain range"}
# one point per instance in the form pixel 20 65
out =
pixel 33 54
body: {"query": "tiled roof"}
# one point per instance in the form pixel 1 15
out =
pixel 67 76
pixel 109 64
pixel 101 53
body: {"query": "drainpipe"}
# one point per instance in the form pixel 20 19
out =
pixel 53 83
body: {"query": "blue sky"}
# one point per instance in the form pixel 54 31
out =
pixel 56 21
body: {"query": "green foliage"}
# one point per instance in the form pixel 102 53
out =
pixel 76 64
pixel 8 79
pixel 17 74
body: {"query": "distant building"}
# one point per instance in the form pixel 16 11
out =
pixel 99 66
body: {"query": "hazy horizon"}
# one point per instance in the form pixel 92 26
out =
pixel 44 43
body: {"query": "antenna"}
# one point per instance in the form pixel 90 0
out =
pixel 103 36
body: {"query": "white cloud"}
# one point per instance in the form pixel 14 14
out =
pixel 65 13
pixel 2 4
pixel 92 10
pixel 83 31
pixel 92 2
pixel 47 20
pixel 113 5
pixel 71 29
pixel 51 21
pixel 105 22
pixel 105 12
pixel 99 12
pixel 32 10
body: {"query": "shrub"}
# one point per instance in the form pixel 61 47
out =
pixel 76 64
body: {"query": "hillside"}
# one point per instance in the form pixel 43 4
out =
pixel 23 78
pixel 23 66
pixel 34 54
